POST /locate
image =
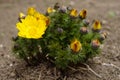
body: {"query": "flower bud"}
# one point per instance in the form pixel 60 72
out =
pixel 83 14
pixel 60 30
pixel 47 21
pixel 86 22
pixel 50 10
pixel 21 16
pixel 69 8
pixel 56 6
pixel 76 46
pixel 96 26
pixel 73 13
pixel 63 9
pixel 95 44
pixel 103 36
pixel 83 30
pixel 15 38
pixel 16 46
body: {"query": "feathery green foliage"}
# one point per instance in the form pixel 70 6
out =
pixel 68 39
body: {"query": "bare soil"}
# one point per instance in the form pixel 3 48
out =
pixel 107 64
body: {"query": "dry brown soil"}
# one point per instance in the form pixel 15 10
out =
pixel 107 64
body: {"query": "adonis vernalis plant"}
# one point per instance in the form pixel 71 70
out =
pixel 62 36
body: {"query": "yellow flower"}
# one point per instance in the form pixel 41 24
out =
pixel 50 10
pixel 75 45
pixel 96 25
pixel 30 27
pixel 83 13
pixel 31 11
pixel 74 13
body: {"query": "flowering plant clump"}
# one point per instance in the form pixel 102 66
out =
pixel 62 36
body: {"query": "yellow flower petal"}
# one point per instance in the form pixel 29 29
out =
pixel 74 13
pixel 83 13
pixel 96 25
pixel 40 16
pixel 21 15
pixel 75 45
pixel 50 10
pixel 31 11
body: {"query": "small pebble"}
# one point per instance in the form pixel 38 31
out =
pixel 104 22
pixel 72 3
pixel 97 59
pixel 12 74
pixel 11 65
pixel 1 45
pixel 101 46
pixel 8 56
pixel 119 76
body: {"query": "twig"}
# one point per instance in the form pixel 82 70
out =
pixel 48 77
pixel 65 78
pixel 72 68
pixel 115 66
pixel 18 74
pixel 78 77
pixel 40 75
pixel 80 68
pixel 55 74
pixel 88 68
pixel 107 64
